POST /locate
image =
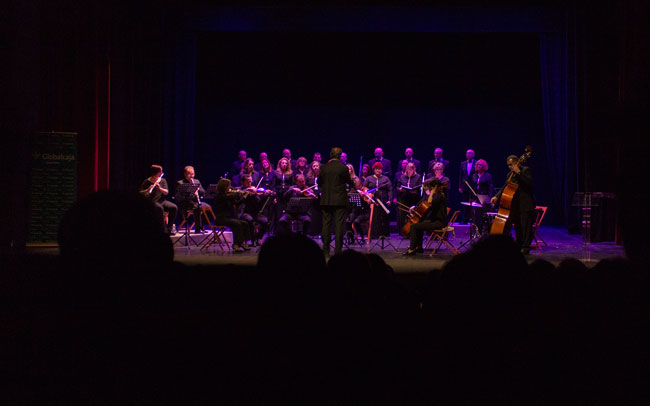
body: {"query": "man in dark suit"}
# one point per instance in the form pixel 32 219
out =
pixel 522 208
pixel 437 157
pixel 408 154
pixel 465 174
pixel 333 177
pixel 379 157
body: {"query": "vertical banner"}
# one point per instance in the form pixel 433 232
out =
pixel 53 183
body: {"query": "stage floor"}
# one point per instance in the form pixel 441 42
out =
pixel 560 245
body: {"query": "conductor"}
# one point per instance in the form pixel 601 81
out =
pixel 334 177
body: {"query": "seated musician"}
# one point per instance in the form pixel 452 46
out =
pixel 224 202
pixel 252 210
pixel 434 219
pixel 407 188
pixel 193 202
pixel 298 190
pixel 359 215
pixel 155 188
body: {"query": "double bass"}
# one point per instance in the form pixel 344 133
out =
pixel 508 193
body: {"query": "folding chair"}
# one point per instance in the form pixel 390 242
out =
pixel 429 236
pixel 540 212
pixel 216 232
pixel 441 236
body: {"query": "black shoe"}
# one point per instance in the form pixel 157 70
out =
pixel 409 253
pixel 419 250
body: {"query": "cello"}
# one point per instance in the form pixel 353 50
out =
pixel 419 212
pixel 508 193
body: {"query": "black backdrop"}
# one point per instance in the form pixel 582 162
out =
pixel 310 91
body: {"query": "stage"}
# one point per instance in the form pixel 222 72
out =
pixel 559 245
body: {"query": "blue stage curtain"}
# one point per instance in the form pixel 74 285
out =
pixel 559 107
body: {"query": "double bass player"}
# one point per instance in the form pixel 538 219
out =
pixel 522 206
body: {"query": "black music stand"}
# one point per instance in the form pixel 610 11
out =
pixel 298 206
pixel 184 192
pixel 382 241
pixel 211 192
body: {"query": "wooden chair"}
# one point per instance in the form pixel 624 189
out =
pixel 216 231
pixel 441 236
pixel 540 212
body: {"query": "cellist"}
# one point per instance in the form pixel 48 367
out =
pixel 434 219
pixel 522 207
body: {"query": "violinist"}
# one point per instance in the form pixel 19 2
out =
pixel 433 219
pixel 407 189
pixel 383 191
pixel 155 189
pixel 252 201
pixel 300 189
pixel 522 207
pixel 193 203
pixel 224 201
pixel 248 168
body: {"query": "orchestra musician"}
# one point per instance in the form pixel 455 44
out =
pixel 298 190
pixel 193 202
pixel 224 201
pixel 383 190
pixel 522 207
pixel 434 219
pixel 407 189
pixel 252 201
pixel 359 215
pixel 155 188
pixel 333 183
pixel 351 170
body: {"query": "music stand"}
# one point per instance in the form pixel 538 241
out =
pixel 184 192
pixel 211 192
pixel 299 205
